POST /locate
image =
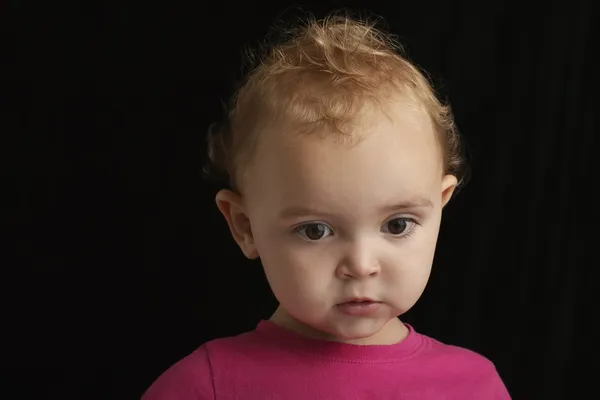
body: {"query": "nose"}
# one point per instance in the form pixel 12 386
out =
pixel 359 261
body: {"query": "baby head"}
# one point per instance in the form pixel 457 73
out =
pixel 340 159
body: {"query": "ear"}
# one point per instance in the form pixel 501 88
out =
pixel 449 183
pixel 231 206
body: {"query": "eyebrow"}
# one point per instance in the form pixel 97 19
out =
pixel 419 202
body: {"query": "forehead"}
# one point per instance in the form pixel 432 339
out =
pixel 396 158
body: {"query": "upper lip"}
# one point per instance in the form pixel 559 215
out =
pixel 359 299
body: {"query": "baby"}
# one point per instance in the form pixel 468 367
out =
pixel 340 159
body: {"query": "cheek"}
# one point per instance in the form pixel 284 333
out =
pixel 300 281
pixel 410 261
pixel 292 264
pixel 303 265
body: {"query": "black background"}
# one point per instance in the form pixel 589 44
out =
pixel 118 263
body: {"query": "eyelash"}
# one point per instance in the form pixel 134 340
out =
pixel 298 229
pixel 411 232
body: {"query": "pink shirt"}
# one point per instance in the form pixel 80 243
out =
pixel 274 363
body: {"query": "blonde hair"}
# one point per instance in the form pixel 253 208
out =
pixel 323 76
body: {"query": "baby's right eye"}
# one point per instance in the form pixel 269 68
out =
pixel 314 231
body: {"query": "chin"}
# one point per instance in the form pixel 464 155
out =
pixel 360 331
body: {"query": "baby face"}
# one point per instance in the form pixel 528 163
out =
pixel 335 224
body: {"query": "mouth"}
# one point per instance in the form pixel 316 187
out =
pixel 360 307
pixel 361 300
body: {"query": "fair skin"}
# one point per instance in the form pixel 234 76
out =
pixel 333 221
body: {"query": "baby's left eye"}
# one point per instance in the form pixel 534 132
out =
pixel 398 226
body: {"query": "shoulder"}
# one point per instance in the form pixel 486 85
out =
pixel 462 365
pixel 193 376
pixel 190 378
pixel 459 356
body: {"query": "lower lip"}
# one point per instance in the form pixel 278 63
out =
pixel 359 308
